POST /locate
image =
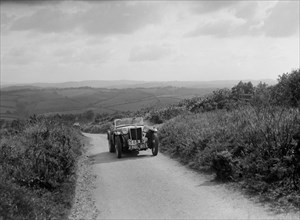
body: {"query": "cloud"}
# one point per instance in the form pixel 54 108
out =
pixel 202 7
pixel 149 52
pixel 6 18
pixel 283 20
pixel 87 55
pixel 246 10
pixel 29 2
pixel 119 17
pixel 222 18
pixel 5 21
pixel 220 28
pixel 20 56
pixel 62 53
pixel 251 19
pixel 104 18
pixel 45 20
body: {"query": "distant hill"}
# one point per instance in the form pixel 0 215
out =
pixel 22 100
pixel 122 84
pixel 88 83
pixel 19 102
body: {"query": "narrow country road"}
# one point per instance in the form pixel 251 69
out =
pixel 146 187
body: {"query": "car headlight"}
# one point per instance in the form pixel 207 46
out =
pixel 124 130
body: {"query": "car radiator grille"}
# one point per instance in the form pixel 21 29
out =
pixel 136 133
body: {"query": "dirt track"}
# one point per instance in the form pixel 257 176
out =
pixel 146 187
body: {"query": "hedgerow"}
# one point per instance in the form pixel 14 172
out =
pixel 37 164
pixel 258 147
pixel 158 116
pixel 100 128
pixel 249 135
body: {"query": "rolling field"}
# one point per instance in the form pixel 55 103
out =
pixel 25 102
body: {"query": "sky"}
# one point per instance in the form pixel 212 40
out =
pixel 59 41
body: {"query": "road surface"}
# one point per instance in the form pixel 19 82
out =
pixel 146 187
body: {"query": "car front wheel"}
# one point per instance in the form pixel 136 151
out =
pixel 154 144
pixel 118 147
pixel 111 148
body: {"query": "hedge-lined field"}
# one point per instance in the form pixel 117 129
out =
pixel 37 166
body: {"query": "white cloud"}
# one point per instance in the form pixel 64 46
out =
pixel 45 20
pixel 78 40
pixel 20 56
pixel 88 56
pixel 233 18
pixel 149 52
pixel 203 7
pixel 283 20
pixel 104 18
pixel 221 27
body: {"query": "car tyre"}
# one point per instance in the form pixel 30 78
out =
pixel 118 147
pixel 111 148
pixel 154 144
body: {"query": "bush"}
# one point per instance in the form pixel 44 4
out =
pixel 37 164
pixel 158 116
pixel 14 201
pixel 41 156
pixel 256 146
pixel 97 128
pixel 240 94
pixel 222 164
pixel 287 90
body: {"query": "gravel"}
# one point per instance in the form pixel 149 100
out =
pixel 84 203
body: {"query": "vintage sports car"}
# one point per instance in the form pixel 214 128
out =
pixel 130 134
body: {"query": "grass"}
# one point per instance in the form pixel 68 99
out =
pixel 38 166
pixel 255 147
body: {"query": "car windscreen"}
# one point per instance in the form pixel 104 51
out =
pixel 129 121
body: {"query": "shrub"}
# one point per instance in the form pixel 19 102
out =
pixel 256 146
pixel 42 156
pixel 97 128
pixel 221 99
pixel 287 90
pixel 222 164
pixel 14 201
pixel 158 116
pixel 37 165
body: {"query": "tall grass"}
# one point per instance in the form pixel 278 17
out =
pixel 258 147
pixel 37 164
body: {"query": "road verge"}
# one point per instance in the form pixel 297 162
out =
pixel 84 204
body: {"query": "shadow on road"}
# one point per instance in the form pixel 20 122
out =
pixel 106 157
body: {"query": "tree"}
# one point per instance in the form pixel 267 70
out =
pixel 88 115
pixel 287 90
pixel 243 90
pixel 262 95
